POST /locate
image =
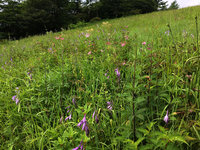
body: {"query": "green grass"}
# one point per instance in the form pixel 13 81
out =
pixel 161 75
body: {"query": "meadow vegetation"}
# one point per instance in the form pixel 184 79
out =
pixel 127 83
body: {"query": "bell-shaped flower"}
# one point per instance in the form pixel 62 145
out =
pixel 166 118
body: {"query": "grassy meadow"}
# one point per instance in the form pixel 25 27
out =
pixel 123 84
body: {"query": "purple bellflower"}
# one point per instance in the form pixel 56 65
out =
pixel 69 117
pixel 14 98
pixel 166 118
pixel 84 123
pixel 117 72
pixel 109 105
pixel 80 146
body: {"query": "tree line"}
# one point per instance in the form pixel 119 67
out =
pixel 21 18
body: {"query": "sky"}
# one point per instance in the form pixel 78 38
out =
pixel 185 3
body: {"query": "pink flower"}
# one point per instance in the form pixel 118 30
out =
pixel 144 43
pixel 89 53
pixel 62 38
pixel 87 35
pixel 108 43
pixel 57 38
pixel 124 63
pixel 126 37
pixel 123 44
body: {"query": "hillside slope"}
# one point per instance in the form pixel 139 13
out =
pixel 127 83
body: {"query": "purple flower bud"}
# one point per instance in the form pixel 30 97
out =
pixel 93 114
pixel 166 118
pixel 84 125
pixel 69 117
pixel 86 130
pixel 109 107
pixel 14 97
pixel 96 119
pixel 109 103
pixel 80 146
pixel 117 72
pixel 73 101
pixel 16 101
pixel 80 123
pixel 61 119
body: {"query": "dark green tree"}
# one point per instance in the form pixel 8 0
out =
pixel 161 5
pixel 10 19
pixel 174 5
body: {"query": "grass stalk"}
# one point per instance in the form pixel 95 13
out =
pixel 197 79
pixel 134 118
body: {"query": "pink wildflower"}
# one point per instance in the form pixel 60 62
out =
pixel 89 53
pixel 123 44
pixel 87 35
pixel 144 43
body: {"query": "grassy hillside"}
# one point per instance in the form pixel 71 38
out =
pixel 128 83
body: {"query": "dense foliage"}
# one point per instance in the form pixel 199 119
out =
pixel 30 17
pixel 125 84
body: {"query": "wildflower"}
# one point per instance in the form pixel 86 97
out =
pixel 109 105
pixel 167 32
pixel 84 123
pixel 61 119
pixel 166 118
pixel 73 101
pixel 108 43
pixel 189 76
pixel 93 114
pixel 117 72
pixel 123 44
pixel 61 38
pixel 106 74
pixel 57 38
pixel 16 101
pixel 96 119
pixel 124 63
pixel 87 35
pixel 14 98
pixel 80 146
pixel 69 117
pixel 144 43
pixel 101 50
pixel 89 53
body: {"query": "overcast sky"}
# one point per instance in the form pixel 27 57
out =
pixel 185 3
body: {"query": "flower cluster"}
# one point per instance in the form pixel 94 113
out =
pixel 96 117
pixel 80 146
pixel 109 105
pixel 14 98
pixel 59 37
pixel 84 123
